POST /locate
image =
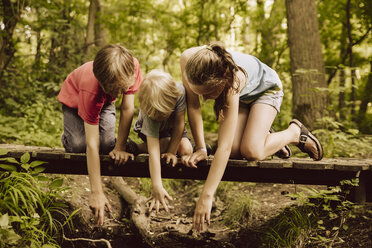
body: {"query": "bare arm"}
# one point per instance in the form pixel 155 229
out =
pixel 126 116
pixel 177 131
pixel 158 192
pixel 194 114
pixel 176 136
pixel 225 139
pixel 98 200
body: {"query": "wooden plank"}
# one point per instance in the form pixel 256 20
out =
pixel 351 166
pixel 302 171
pixel 275 164
pixel 312 165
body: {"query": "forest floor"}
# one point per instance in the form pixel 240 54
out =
pixel 173 229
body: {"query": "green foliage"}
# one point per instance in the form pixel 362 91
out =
pixel 341 140
pixel 209 118
pixel 240 205
pixel 291 229
pixel 30 216
pixel 145 184
pixel 317 218
pixel 239 209
pixel 40 124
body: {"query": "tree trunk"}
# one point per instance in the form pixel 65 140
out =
pixel 96 32
pixel 307 66
pixel 12 14
pixel 351 60
pixel 270 33
pixel 366 97
pixel 201 31
pixel 100 31
pixel 38 43
pixel 89 39
pixel 341 96
pixel 59 52
pixel 52 53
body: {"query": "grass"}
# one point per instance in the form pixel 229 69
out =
pixel 316 218
pixel 30 216
pixel 291 228
pixel 239 210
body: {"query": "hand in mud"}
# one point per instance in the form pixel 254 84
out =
pixel 120 156
pixel 202 213
pixel 192 159
pixel 159 195
pixel 98 202
pixel 170 157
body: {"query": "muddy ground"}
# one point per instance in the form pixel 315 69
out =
pixel 173 229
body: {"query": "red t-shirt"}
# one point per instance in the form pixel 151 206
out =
pixel 81 90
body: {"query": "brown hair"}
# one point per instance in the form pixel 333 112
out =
pixel 113 66
pixel 213 65
pixel 158 94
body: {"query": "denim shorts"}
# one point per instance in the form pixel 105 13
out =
pixel 73 136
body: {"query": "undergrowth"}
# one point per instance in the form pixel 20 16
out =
pixel 314 221
pixel 240 205
pixel 30 216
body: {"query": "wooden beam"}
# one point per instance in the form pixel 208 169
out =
pixel 294 171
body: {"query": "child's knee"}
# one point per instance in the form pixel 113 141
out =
pixel 74 144
pixel 235 152
pixel 252 153
pixel 107 144
pixel 185 147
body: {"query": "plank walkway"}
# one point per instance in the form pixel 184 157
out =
pixel 294 171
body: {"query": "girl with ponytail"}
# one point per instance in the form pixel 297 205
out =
pixel 247 95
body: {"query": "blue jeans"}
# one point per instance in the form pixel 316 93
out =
pixel 73 136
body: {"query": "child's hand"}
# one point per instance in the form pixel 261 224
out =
pixel 202 213
pixel 97 202
pixel 158 196
pixel 170 158
pixel 192 159
pixel 120 156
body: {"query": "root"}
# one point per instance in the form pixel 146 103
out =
pixel 88 240
pixel 138 208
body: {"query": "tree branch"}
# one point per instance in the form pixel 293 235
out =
pixel 89 240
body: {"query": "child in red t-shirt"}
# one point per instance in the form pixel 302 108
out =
pixel 87 96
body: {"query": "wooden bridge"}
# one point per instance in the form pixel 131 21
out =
pixel 294 171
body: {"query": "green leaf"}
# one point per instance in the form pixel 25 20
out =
pixel 25 166
pixel 48 246
pixel 3 151
pixel 25 158
pixel 8 167
pixel 11 237
pixel 9 160
pixel 43 178
pixel 4 221
pixel 36 163
pixel 38 169
pixel 56 183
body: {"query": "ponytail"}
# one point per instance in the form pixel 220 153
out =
pixel 213 65
pixel 230 73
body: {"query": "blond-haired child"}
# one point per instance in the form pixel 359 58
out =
pixel 161 125
pixel 87 97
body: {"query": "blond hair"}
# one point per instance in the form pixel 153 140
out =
pixel 113 66
pixel 213 65
pixel 158 94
